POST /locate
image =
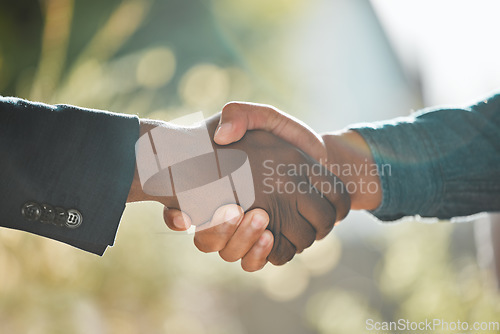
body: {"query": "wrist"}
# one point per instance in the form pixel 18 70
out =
pixel 137 193
pixel 350 158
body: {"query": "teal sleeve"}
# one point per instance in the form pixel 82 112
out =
pixel 439 162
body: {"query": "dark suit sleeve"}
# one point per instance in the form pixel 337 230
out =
pixel 66 158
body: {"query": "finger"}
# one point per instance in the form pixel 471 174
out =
pixel 176 220
pixel 215 236
pixel 239 117
pixel 298 231
pixel 282 252
pixel 256 258
pixel 330 187
pixel 318 212
pixel 248 233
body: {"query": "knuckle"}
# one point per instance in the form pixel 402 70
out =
pixel 326 228
pixel 208 247
pixel 249 269
pixel 229 257
pixel 201 247
pixel 309 241
pixel 271 110
pixel 223 232
pixel 283 254
pixel 342 202
pixel 232 105
pixel 279 259
pixel 252 267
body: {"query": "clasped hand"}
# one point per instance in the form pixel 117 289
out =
pixel 297 200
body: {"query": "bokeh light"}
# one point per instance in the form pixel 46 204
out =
pixel 284 283
pixel 337 311
pixel 205 86
pixel 156 68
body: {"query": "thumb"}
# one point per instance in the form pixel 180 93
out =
pixel 233 123
pixel 238 117
pixel 176 220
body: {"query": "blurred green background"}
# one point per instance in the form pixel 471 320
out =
pixel 327 62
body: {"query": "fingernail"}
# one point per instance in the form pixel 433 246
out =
pixel 264 239
pixel 182 222
pixel 179 222
pixel 187 221
pixel 259 221
pixel 223 130
pixel 232 215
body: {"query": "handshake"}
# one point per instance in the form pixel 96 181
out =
pixel 254 181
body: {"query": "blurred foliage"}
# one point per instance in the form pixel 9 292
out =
pixel 421 274
pixel 419 278
pixel 138 56
pixel 162 59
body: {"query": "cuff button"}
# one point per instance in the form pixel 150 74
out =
pixel 61 217
pixel 31 211
pixel 74 218
pixel 48 214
